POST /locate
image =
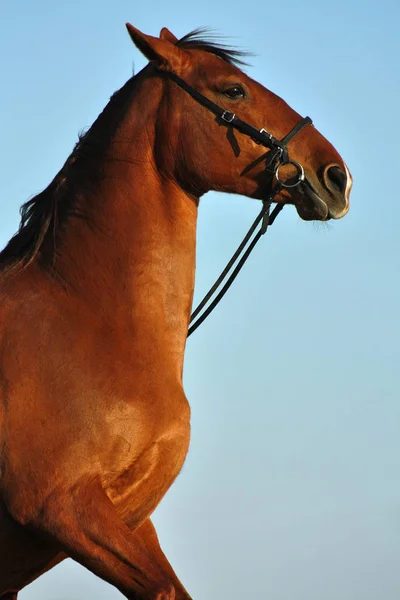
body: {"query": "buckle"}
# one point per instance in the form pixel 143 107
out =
pixel 228 116
pixel 265 133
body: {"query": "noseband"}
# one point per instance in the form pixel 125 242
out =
pixel 277 158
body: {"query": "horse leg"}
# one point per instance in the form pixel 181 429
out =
pixel 34 574
pixel 26 544
pixel 84 523
pixel 23 555
pixel 147 536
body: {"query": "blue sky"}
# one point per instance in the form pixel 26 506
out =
pixel 291 487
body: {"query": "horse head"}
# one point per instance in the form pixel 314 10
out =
pixel 207 152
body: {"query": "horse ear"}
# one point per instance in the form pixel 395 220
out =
pixel 166 34
pixel 159 50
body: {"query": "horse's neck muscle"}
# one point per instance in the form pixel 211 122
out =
pixel 133 256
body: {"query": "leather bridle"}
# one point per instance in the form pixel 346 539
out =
pixel 277 158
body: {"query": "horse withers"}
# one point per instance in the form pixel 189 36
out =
pixel 96 289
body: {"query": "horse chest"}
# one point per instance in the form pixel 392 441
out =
pixel 140 468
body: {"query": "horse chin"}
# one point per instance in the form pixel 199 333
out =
pixel 311 207
pixel 316 210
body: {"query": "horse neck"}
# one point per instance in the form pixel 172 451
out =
pixel 132 256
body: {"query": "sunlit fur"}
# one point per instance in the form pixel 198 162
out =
pixel 45 213
pixel 95 292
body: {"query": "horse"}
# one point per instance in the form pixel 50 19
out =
pixel 96 290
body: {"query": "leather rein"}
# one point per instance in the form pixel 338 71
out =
pixel 275 159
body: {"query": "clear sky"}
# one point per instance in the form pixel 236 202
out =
pixel 291 487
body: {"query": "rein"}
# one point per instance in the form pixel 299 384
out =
pixel 275 159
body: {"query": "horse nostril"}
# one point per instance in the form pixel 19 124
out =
pixel 335 179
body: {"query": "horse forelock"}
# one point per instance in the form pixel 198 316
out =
pixel 204 39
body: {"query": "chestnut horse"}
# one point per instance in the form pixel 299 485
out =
pixel 96 291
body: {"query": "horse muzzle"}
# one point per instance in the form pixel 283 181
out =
pixel 328 197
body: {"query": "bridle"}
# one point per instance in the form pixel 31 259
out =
pixel 277 158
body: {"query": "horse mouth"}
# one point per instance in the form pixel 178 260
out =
pixel 311 206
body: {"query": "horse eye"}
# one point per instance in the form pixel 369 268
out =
pixel 234 92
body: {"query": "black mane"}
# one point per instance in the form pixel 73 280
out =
pixel 203 39
pixel 44 214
